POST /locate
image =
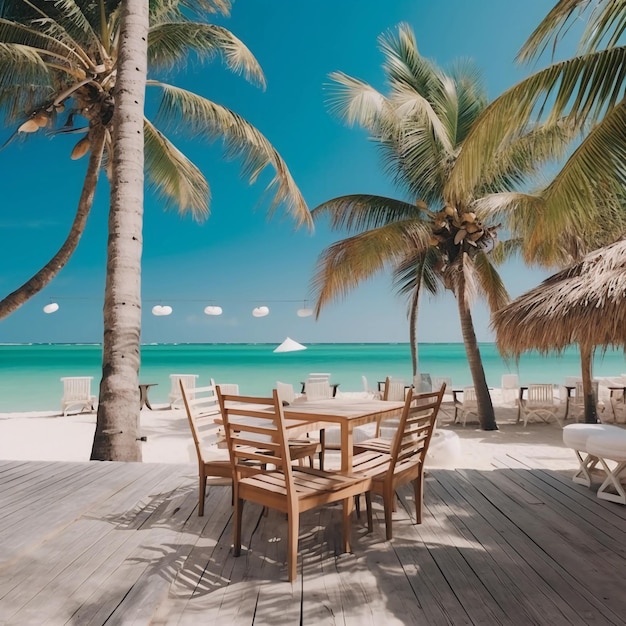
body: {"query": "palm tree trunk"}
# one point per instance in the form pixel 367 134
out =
pixel 43 277
pixel 586 361
pixel 117 427
pixel 413 329
pixel 486 415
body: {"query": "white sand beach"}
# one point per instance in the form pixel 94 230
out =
pixel 47 435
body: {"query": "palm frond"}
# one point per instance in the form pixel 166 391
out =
pixel 489 282
pixel 170 44
pixel 591 176
pixel 69 23
pixel 183 110
pixel 553 26
pixel 526 156
pixel 418 270
pixel 345 264
pixel 404 66
pixel 604 26
pixel 169 9
pixel 25 81
pixel 356 213
pixel 12 32
pixel 431 116
pixel 174 176
pixel 505 250
pixel 508 115
pixel 469 91
pixel 356 102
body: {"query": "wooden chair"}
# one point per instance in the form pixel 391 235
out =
pixel 577 401
pixel 404 461
pixel 202 408
pixel 467 406
pixel 393 391
pixel 77 394
pixel 188 380
pixel 256 434
pixel 509 386
pixel 318 389
pixel 540 403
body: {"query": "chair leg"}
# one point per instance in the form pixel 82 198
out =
pixel 389 497
pixel 293 528
pixel 348 505
pixel 357 505
pixel 418 488
pixel 612 480
pixel 201 494
pixel 238 512
pixel 368 504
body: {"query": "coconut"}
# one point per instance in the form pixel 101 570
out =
pixel 458 238
pixel 29 126
pixel 81 148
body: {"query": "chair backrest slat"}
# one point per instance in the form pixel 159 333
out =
pixel 256 436
pixel 317 389
pixel 540 394
pixel 394 389
pixel 415 429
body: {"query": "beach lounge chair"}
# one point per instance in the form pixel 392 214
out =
pixel 467 406
pixel 189 382
pixel 286 392
pixel 275 483
pixel 77 394
pixel 540 402
pixel 405 462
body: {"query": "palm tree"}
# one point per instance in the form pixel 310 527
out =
pixel 72 62
pixel 582 207
pixel 435 240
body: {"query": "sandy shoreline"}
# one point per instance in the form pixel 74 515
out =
pixel 47 435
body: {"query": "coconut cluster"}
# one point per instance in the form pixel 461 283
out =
pixel 460 229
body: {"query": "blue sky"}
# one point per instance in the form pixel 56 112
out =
pixel 238 259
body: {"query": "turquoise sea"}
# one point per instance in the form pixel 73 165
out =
pixel 29 374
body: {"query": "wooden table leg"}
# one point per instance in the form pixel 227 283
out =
pixel 346 448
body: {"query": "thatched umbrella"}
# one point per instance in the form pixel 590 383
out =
pixel 584 304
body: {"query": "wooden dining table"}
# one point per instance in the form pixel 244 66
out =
pixel 347 413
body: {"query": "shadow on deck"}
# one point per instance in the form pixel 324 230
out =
pixel 96 543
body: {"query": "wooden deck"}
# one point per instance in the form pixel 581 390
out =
pixel 112 543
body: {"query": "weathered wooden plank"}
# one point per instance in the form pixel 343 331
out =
pixel 191 581
pixel 517 578
pixel 50 576
pixel 500 547
pixel 584 497
pixel 564 564
pixel 602 553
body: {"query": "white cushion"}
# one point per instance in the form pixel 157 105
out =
pixel 575 436
pixel 332 436
pixel 608 445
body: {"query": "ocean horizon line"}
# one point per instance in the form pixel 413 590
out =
pixel 243 343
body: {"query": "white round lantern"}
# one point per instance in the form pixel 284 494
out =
pixel 160 311
pixel 260 311
pixel 212 310
pixel 304 312
pixel 53 307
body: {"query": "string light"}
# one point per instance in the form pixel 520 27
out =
pixel 260 311
pixel 212 310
